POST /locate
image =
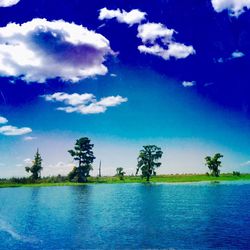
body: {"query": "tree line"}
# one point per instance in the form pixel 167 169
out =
pixel 147 162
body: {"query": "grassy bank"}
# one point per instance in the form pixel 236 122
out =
pixel 134 179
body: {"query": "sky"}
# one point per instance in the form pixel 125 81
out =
pixel 172 73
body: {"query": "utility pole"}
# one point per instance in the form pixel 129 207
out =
pixel 100 168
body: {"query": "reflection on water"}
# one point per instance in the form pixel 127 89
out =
pixel 6 227
pixel 126 216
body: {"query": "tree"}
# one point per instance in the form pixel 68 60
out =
pixel 100 169
pixel 120 173
pixel 148 160
pixel 214 163
pixel 36 167
pixel 82 153
pixel 236 173
pixel 72 174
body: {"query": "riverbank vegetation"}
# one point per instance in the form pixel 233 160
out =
pixel 148 162
pixel 175 178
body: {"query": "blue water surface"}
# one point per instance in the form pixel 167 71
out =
pixel 126 216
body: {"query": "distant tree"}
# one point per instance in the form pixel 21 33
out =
pixel 236 173
pixel 36 167
pixel 120 173
pixel 148 160
pixel 214 163
pixel 82 153
pixel 100 169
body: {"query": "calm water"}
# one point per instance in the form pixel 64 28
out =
pixel 126 216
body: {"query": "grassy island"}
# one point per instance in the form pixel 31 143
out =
pixel 175 178
pixel 148 162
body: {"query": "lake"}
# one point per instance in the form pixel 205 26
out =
pixel 126 216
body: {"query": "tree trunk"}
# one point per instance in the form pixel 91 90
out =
pixel 82 178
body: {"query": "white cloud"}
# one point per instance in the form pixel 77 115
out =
pixel 234 7
pixel 122 16
pixel 111 101
pixel 27 161
pixel 154 50
pixel 92 108
pixel 158 40
pixel 188 83
pixel 12 130
pixel 237 54
pixel 179 50
pixel 71 99
pixel 176 50
pixel 57 168
pixel 245 164
pixel 29 138
pixel 8 3
pixel 220 60
pixel 39 50
pixel 84 103
pixel 3 120
pixel 149 32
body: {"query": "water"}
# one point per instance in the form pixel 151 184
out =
pixel 126 216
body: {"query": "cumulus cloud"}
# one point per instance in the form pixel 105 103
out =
pixel 149 32
pixel 8 3
pixel 158 40
pixel 39 50
pixel 84 103
pixel 188 83
pixel 3 120
pixel 176 50
pixel 12 130
pixel 71 99
pixel 237 54
pixel 234 7
pixel 132 17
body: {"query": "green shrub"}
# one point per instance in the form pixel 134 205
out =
pixel 236 173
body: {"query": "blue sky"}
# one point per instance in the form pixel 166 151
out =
pixel 124 73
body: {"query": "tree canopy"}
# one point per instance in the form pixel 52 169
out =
pixel 214 163
pixel 120 173
pixel 83 154
pixel 148 160
pixel 36 167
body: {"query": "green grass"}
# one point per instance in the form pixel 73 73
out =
pixel 136 179
pixel 172 178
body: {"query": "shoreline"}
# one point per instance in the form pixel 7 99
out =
pixel 160 179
